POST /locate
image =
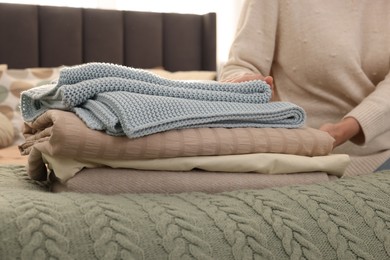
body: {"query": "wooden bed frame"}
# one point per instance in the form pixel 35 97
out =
pixel 45 36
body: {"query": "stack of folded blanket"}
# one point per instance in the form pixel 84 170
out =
pixel 126 128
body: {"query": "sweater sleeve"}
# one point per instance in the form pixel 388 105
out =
pixel 373 113
pixel 253 47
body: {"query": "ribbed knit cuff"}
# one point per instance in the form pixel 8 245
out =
pixel 371 118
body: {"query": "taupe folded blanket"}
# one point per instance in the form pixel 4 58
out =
pixel 61 133
pixel 113 181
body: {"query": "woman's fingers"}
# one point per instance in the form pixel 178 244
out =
pixel 249 77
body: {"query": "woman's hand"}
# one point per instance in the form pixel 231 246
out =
pixel 343 130
pixel 252 76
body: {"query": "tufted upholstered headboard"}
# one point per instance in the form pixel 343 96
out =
pixel 44 36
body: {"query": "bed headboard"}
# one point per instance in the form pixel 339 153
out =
pixel 45 36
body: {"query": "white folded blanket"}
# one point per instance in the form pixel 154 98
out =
pixel 265 163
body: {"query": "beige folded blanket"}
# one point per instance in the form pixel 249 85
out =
pixel 113 181
pixel 60 133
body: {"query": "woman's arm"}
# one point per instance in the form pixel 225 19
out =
pixel 373 113
pixel 367 120
pixel 253 47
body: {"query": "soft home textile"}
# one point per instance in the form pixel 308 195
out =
pixel 62 134
pixel 342 219
pixel 106 180
pixel 66 168
pixel 134 102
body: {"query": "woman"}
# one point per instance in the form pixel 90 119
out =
pixel 330 57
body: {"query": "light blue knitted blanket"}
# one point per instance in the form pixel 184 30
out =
pixel 134 102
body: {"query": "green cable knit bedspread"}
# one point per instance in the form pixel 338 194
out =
pixel 345 219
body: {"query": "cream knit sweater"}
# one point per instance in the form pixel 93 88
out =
pixel 330 57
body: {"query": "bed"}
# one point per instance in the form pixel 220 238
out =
pixel 53 205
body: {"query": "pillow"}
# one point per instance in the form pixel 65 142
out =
pixel 3 67
pixel 6 131
pixel 12 83
pixel 185 75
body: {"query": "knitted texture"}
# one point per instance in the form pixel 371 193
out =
pixel 136 115
pixel 80 73
pixel 344 219
pixel 134 102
